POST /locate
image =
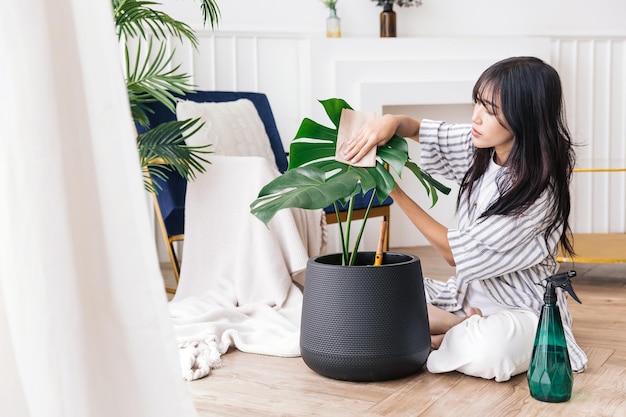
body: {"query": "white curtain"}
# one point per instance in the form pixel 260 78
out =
pixel 84 325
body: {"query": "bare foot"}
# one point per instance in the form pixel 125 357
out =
pixel 435 341
pixel 473 311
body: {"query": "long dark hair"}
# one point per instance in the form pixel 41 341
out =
pixel 542 155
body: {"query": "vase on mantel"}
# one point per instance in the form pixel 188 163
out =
pixel 388 21
pixel 333 25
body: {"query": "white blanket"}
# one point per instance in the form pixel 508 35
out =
pixel 236 286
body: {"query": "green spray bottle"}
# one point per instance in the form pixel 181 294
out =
pixel 550 373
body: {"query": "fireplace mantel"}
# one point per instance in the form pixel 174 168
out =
pixel 371 73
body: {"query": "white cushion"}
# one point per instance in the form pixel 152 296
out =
pixel 233 128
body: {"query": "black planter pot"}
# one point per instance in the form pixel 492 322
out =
pixel 364 323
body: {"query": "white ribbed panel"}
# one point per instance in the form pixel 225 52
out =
pixel 593 73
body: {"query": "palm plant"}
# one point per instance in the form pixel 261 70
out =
pixel 151 77
pixel 315 180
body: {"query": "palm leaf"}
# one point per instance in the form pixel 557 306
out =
pixel 135 18
pixel 163 149
pixel 210 12
pixel 149 79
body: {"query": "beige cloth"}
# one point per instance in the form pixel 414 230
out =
pixel 349 125
pixel 236 286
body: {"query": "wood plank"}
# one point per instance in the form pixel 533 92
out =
pixel 480 397
pixel 416 395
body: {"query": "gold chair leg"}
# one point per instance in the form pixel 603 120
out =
pixel 174 260
pixel 168 244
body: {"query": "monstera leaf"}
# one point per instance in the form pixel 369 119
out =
pixel 315 180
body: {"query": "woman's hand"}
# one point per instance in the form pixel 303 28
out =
pixel 378 132
pixel 372 134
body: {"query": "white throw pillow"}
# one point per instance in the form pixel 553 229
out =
pixel 233 128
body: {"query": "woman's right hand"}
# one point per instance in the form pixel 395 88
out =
pixel 375 133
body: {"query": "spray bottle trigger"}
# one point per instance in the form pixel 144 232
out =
pixel 568 287
pixel 564 281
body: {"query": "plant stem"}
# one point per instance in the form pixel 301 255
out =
pixel 358 238
pixel 348 226
pixel 344 246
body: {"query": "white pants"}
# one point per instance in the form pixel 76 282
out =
pixel 497 346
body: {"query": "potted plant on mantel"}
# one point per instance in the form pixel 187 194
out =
pixel 151 77
pixel 359 322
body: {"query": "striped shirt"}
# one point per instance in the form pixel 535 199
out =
pixel 508 255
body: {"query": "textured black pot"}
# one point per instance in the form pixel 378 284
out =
pixel 364 323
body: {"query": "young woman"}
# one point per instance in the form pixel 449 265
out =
pixel 513 164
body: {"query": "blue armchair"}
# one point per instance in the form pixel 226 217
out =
pixel 170 200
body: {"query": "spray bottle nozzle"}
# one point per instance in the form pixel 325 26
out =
pixel 562 280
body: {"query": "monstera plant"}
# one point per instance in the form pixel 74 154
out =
pixel 151 76
pixel 315 180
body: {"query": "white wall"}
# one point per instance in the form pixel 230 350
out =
pixel 433 18
pixel 278 47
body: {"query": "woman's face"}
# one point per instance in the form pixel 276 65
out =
pixel 489 129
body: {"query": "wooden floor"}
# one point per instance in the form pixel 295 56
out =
pixel 256 385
